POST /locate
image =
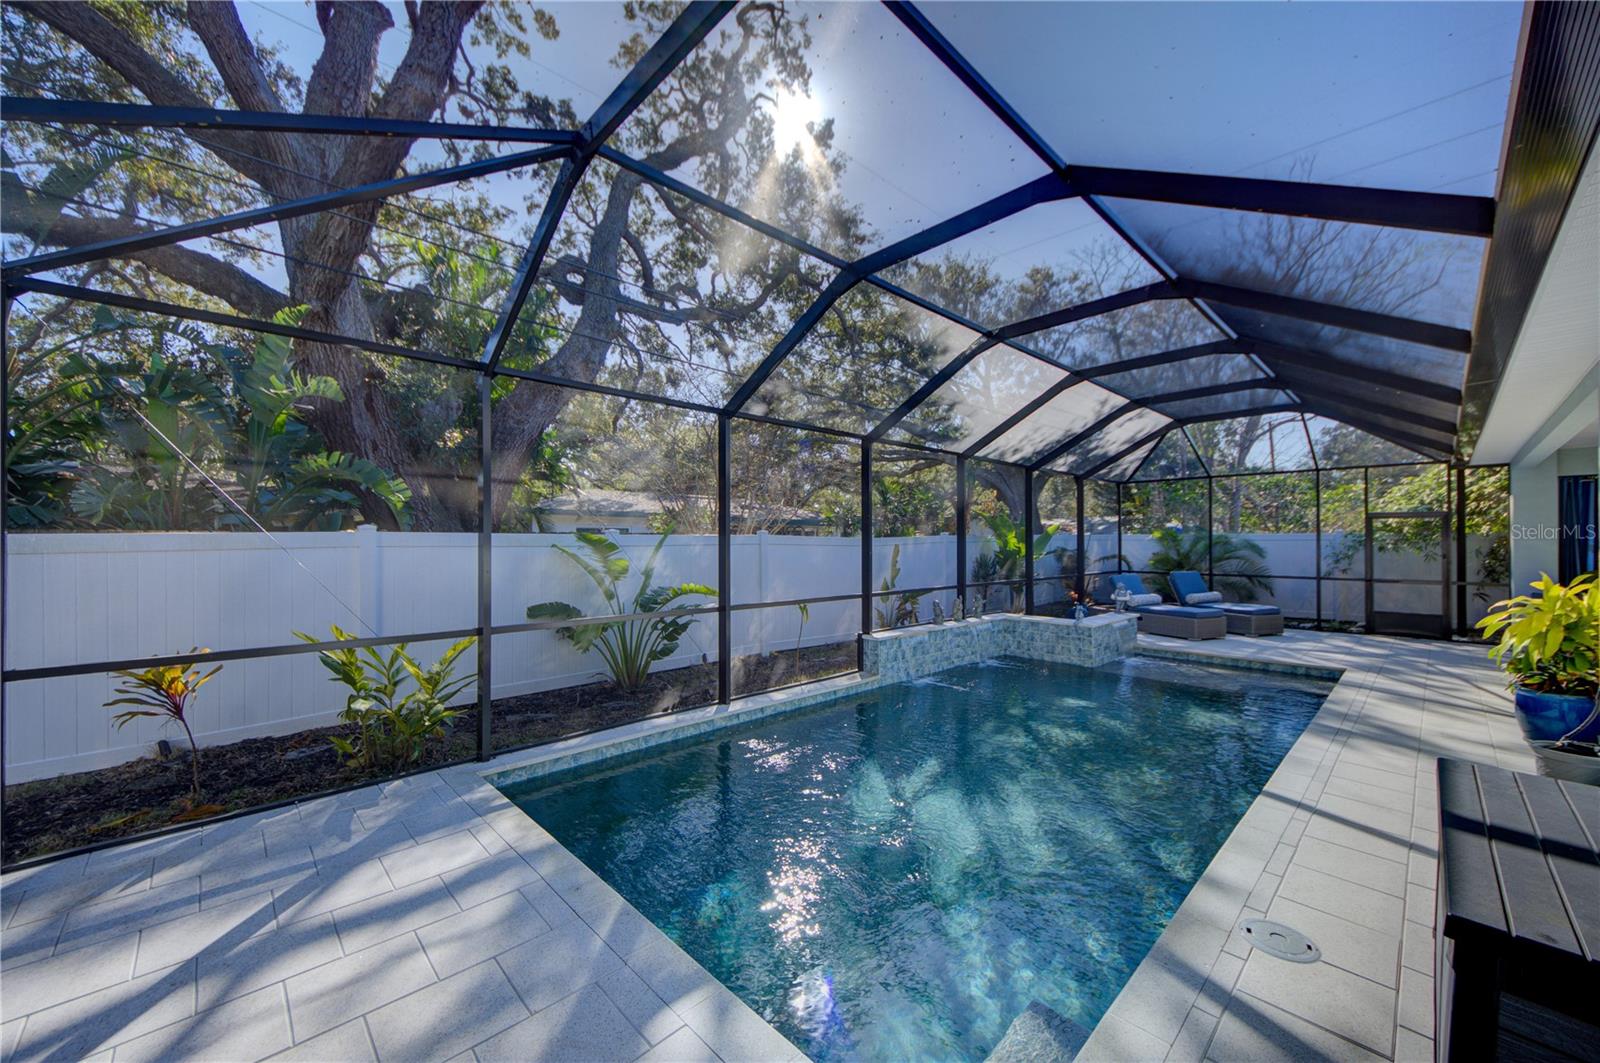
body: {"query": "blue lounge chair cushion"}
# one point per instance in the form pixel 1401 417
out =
pixel 1187 583
pixel 1130 581
pixel 1193 612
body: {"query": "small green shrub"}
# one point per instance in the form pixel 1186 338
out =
pixel 1549 641
pixel 393 725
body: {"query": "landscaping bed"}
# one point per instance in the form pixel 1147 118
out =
pixel 92 807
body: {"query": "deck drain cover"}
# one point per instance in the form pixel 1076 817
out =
pixel 1284 942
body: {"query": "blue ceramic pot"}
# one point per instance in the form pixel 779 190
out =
pixel 1546 717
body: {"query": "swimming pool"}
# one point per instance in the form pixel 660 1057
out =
pixel 898 874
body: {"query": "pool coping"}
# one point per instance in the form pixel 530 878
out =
pixel 1201 992
pixel 286 905
pixel 599 747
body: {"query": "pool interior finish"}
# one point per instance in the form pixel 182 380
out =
pixel 898 874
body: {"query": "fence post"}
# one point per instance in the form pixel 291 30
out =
pixel 369 577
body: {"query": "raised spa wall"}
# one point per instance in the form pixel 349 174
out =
pixel 910 652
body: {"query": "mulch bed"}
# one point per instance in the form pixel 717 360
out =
pixel 92 807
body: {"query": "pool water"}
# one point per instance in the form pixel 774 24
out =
pixel 898 874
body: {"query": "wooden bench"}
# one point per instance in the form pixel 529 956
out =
pixel 1517 931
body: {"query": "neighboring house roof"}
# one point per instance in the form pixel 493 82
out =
pixel 604 504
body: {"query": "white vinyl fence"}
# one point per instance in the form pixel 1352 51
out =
pixel 113 596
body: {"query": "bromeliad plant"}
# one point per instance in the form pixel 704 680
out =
pixel 1549 641
pixel 628 647
pixel 392 725
pixel 165 692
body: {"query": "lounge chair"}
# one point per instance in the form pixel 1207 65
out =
pixel 1243 618
pixel 1176 621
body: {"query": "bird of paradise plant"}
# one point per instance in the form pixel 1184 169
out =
pixel 628 647
pixel 165 692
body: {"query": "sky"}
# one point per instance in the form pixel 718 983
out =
pixel 1405 95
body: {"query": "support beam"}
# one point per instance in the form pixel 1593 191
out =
pixel 1311 392
pixel 1029 520
pixel 686 32
pixel 1078 437
pixel 1308 367
pixel 528 266
pixel 485 647
pixel 141 305
pixel 1160 358
pixel 1028 409
pixel 680 38
pixel 866 545
pixel 1274 354
pixel 725 689
pixel 753 383
pixel 938 380
pixel 1376 324
pixel 1046 189
pixel 936 42
pixel 144 116
pixel 1131 448
pixel 1094 308
pixel 672 184
pixel 123 246
pixel 1287 407
pixel 1428 446
pixel 1428 211
pixel 1232 387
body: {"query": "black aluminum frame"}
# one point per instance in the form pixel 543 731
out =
pixel 1466 215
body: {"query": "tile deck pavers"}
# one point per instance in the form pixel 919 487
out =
pixel 429 918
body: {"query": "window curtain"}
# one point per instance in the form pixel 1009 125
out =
pixel 1577 526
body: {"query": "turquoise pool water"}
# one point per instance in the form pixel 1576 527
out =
pixel 895 876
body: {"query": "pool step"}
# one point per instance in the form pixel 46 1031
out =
pixel 1039 1035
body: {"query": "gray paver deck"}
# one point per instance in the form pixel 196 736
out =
pixel 428 918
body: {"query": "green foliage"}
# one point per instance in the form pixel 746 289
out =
pixel 164 692
pixel 155 440
pixel 628 647
pixel 1549 641
pixel 1007 557
pixel 902 609
pixel 1237 563
pixel 393 724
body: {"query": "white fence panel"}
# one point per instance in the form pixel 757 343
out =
pixel 110 596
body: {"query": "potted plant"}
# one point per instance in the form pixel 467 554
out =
pixel 1549 644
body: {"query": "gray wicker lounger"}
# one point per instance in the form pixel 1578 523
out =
pixel 1243 618
pixel 1174 621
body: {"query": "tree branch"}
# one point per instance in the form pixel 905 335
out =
pixel 113 46
pixel 231 51
pixel 198 270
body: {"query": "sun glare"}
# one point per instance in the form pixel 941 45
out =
pixel 791 115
